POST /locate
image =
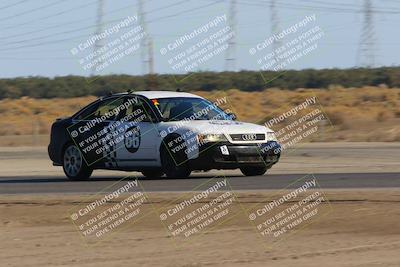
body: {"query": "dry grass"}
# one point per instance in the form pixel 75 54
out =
pixel 358 114
pixel 26 116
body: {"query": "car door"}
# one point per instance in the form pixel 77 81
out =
pixel 92 133
pixel 138 135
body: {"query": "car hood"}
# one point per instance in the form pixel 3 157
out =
pixel 220 126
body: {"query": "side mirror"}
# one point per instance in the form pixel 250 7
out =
pixel 232 116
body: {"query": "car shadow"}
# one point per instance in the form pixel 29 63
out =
pixel 103 178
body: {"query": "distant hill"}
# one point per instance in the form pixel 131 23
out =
pixel 76 86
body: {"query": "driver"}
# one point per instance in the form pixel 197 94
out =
pixel 183 110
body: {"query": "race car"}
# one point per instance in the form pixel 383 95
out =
pixel 159 133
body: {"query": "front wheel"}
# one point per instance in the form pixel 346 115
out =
pixel 253 171
pixel 74 166
pixel 174 164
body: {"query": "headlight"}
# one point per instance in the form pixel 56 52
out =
pixel 271 136
pixel 206 138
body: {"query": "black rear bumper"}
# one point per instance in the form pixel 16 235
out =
pixel 211 156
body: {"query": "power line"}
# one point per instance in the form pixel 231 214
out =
pixel 32 10
pixel 75 38
pixel 92 26
pixel 36 58
pixel 338 7
pixel 185 11
pixel 62 33
pixel 339 4
pixel 75 30
pixel 44 18
pixel 71 22
pixel 14 4
pixel 164 7
pixel 315 8
pixel 64 24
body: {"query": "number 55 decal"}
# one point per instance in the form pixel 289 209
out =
pixel 132 139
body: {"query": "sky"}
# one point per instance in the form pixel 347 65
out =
pixel 37 36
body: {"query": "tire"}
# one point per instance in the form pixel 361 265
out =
pixel 74 165
pixel 171 166
pixel 153 173
pixel 253 171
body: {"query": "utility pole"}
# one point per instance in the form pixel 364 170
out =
pixel 144 42
pixel 366 52
pixel 99 28
pixel 230 56
pixel 151 56
pixel 152 83
pixel 274 27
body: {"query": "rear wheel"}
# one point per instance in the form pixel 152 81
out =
pixel 253 171
pixel 153 173
pixel 74 166
pixel 174 163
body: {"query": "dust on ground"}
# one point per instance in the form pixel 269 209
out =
pixel 361 229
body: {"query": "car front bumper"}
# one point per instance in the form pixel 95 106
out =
pixel 211 156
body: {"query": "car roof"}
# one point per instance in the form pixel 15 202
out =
pixel 163 94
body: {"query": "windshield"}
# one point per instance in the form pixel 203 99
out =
pixel 186 108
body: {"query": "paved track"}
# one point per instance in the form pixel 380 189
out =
pixel 335 165
pixel 58 184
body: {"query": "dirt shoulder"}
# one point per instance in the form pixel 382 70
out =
pixel 352 228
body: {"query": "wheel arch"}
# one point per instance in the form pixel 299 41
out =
pixel 165 140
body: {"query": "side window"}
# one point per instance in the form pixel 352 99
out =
pixel 103 108
pixel 83 115
pixel 139 111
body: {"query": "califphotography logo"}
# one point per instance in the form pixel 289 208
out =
pixel 107 47
pixel 300 41
pixel 304 122
pixel 195 213
pixel 290 210
pixel 109 211
pixel 193 50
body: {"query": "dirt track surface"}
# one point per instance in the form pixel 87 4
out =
pixel 360 229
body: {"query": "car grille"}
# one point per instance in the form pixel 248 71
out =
pixel 247 137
